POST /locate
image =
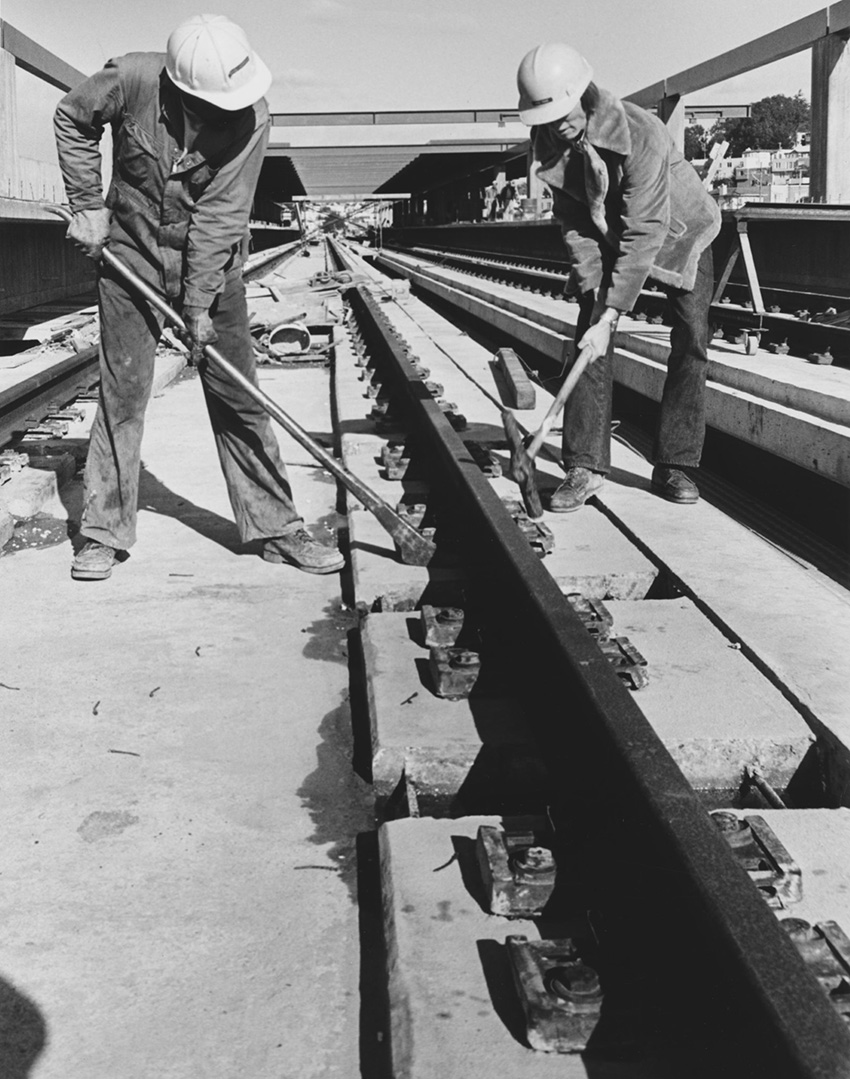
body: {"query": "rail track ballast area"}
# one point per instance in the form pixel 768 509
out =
pixel 631 777
pixel 607 754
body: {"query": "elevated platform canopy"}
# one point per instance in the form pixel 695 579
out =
pixel 325 162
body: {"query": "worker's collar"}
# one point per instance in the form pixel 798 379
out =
pixel 199 134
pixel 608 126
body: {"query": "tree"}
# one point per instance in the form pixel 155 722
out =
pixel 695 141
pixel 773 124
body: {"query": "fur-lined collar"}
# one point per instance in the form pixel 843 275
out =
pixel 608 126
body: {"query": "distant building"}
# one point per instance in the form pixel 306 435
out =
pixel 763 176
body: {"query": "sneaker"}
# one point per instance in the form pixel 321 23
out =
pixel 300 549
pixel 674 485
pixel 93 562
pixel 579 485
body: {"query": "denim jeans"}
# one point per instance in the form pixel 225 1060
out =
pixel 247 448
pixel 681 428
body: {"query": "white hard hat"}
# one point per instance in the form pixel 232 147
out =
pixel 209 57
pixel 551 80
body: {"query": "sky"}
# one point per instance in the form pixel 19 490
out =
pixel 346 55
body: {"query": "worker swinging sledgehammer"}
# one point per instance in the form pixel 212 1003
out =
pixel 190 130
pixel 630 208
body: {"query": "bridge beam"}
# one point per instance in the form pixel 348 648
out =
pixel 671 110
pixel 8 127
pixel 830 148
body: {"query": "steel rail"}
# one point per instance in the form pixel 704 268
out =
pixel 758 959
pixel 29 401
pixel 803 335
pixel 266 261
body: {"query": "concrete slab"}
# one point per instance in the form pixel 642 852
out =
pixel 791 621
pixel 712 709
pixel 453 1010
pixel 819 445
pixel 590 556
pixel 177 771
pixel 440 739
pixel 382 582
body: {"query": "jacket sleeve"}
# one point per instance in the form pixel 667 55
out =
pixel 645 213
pixel 78 123
pixel 220 218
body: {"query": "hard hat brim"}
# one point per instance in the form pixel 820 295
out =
pixel 233 100
pixel 534 115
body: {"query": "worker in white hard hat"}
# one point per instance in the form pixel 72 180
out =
pixel 190 129
pixel 630 209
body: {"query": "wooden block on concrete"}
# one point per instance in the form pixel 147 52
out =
pixel 709 705
pixel 519 386
pixel 438 739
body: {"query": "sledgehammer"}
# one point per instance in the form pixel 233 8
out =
pixel 414 548
pixel 522 456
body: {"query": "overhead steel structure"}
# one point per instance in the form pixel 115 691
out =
pixel 357 169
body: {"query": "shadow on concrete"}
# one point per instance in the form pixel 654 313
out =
pixel 338 801
pixel 23 1033
pixel 500 985
pixel 622 478
pixel 375 1054
pixel 327 638
pixel 470 873
pixel 155 497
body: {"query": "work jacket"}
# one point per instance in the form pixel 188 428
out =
pixel 185 212
pixel 629 205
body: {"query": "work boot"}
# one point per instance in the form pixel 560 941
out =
pixel 578 486
pixel 93 562
pixel 300 549
pixel 674 485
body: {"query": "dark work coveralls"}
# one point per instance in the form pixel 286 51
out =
pixel 179 217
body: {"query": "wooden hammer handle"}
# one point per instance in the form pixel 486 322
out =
pixel 564 392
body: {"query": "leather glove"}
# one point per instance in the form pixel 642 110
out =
pixel 89 230
pixel 199 331
pixel 597 339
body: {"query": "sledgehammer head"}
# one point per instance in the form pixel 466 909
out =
pixel 522 467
